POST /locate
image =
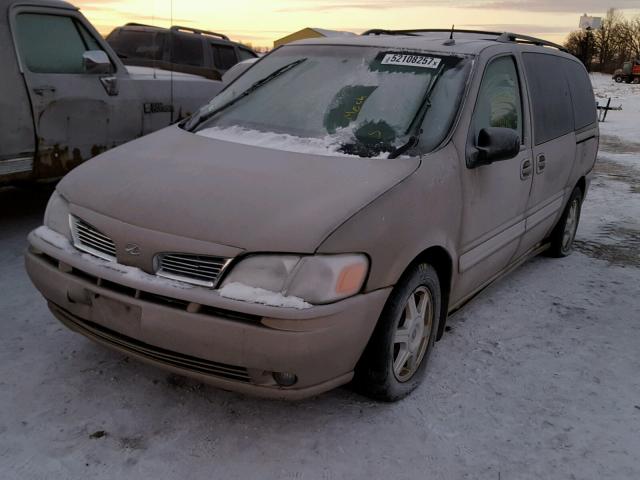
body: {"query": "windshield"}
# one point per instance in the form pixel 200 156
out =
pixel 325 99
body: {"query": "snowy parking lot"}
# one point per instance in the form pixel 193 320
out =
pixel 537 378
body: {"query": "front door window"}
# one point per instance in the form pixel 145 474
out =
pixel 499 103
pixel 52 43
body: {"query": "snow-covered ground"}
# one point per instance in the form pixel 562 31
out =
pixel 538 377
pixel 622 124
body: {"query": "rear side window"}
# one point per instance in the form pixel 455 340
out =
pixel 550 97
pixel 499 103
pixel 52 43
pixel 187 50
pixel 224 56
pixel 131 44
pixel 245 54
pixel 584 102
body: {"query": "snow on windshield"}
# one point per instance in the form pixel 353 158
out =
pixel 329 100
pixel 329 145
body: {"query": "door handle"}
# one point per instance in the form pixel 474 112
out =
pixel 541 163
pixel 525 169
pixel 43 89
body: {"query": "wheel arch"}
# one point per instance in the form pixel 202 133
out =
pixel 440 259
pixel 582 185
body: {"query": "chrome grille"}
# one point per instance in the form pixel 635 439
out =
pixel 196 269
pixel 91 240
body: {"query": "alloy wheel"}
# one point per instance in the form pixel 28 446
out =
pixel 412 334
pixel 571 225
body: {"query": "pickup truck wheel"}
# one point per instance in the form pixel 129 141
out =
pixel 565 231
pixel 618 78
pixel 395 360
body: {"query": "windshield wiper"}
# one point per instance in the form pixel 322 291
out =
pixel 195 121
pixel 413 130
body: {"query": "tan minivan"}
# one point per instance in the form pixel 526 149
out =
pixel 318 220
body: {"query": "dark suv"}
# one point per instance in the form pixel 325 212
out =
pixel 179 49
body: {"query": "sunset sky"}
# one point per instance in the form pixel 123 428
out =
pixel 259 22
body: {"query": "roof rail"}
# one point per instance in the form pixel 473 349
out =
pixel 178 28
pixel 380 31
pixel 500 36
pixel 134 24
pixel 514 37
pixel 417 31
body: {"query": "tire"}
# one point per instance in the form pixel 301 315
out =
pixel 381 373
pixel 618 78
pixel 565 231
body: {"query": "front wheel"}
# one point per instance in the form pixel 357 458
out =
pixel 565 231
pixel 395 359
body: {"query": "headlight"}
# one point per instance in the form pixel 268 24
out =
pixel 315 279
pixel 56 216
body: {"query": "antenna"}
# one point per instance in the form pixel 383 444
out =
pixel 450 41
pixel 171 60
pixel 153 22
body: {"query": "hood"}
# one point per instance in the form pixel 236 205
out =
pixel 253 198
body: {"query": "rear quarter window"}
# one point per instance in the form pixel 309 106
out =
pixel 245 54
pixel 584 102
pixel 224 56
pixel 551 101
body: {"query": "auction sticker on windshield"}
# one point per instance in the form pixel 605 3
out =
pixel 409 60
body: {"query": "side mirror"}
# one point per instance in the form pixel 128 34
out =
pixel 96 61
pixel 494 144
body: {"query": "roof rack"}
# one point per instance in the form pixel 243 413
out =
pixel 178 28
pixel 134 24
pixel 526 39
pixel 380 31
pixel 500 36
pixel 197 31
pixel 415 32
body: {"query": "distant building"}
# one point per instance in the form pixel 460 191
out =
pixel 590 22
pixel 310 33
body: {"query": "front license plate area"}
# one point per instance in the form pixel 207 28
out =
pixel 115 315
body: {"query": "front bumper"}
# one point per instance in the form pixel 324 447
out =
pixel 193 331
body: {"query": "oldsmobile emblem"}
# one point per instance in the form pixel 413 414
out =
pixel 132 249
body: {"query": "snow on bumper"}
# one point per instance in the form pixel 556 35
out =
pixel 194 331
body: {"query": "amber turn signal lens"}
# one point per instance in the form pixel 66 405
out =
pixel 351 279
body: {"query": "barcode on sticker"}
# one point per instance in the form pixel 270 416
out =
pixel 409 60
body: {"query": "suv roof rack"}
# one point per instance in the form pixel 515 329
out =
pixel 526 39
pixel 500 36
pixel 178 28
pixel 135 24
pixel 197 31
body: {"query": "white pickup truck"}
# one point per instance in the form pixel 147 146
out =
pixel 66 96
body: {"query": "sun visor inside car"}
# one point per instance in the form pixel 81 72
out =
pixel 346 106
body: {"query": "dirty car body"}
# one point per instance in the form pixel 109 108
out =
pixel 308 196
pixel 67 97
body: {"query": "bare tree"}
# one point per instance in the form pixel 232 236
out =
pixel 608 47
pixel 607 37
pixel 631 36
